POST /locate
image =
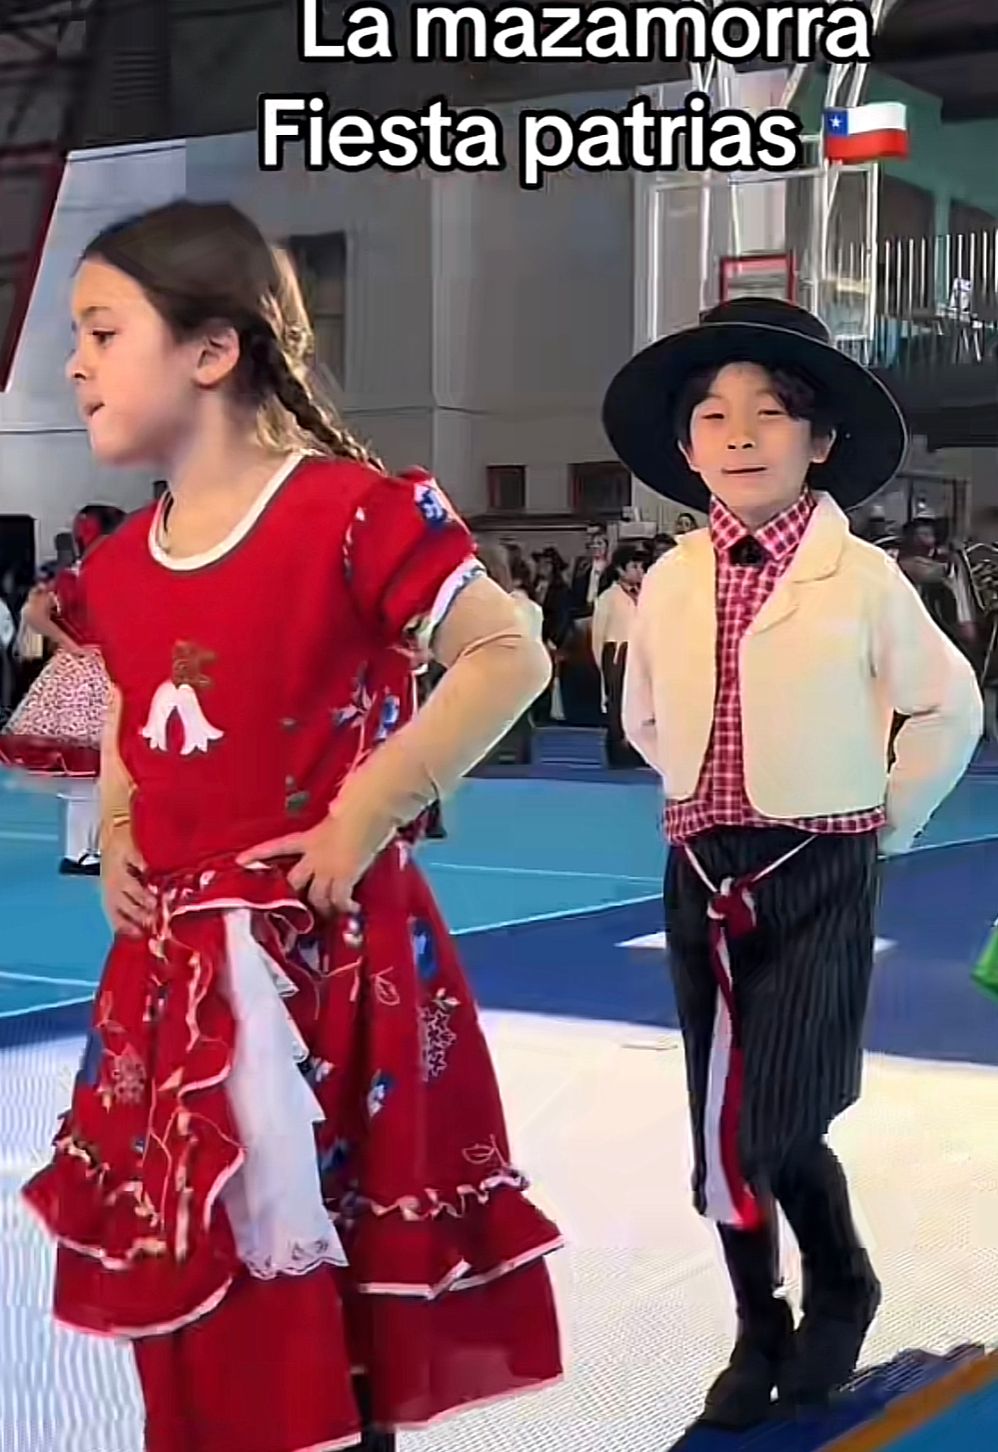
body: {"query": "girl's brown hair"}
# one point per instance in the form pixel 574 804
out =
pixel 201 263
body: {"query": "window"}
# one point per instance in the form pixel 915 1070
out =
pixel 321 262
pixel 507 487
pixel 601 488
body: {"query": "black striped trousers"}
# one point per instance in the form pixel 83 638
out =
pixel 613 665
pixel 801 986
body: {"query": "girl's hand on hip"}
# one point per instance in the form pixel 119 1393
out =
pixel 326 870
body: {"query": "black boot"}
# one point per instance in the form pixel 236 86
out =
pixel 841 1292
pixel 742 1395
pixel 378 1442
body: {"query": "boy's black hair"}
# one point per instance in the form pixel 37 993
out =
pixel 799 397
pixel 624 555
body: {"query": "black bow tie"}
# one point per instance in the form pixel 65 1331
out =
pixel 748 551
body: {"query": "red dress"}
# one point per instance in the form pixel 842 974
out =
pixel 252 684
pixel 56 730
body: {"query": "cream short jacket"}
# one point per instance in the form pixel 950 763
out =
pixel 842 644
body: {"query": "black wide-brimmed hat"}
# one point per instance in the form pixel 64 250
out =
pixel 640 404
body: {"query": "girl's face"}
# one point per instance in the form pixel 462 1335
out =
pixel 746 447
pixel 138 390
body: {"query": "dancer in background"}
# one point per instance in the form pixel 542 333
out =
pixel 54 734
pixel 284 1175
pixel 613 619
pixel 769 655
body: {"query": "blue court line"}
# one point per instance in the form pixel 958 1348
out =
pixel 560 913
pixel 983 840
pixel 538 872
pixel 8 976
pixel 39 1011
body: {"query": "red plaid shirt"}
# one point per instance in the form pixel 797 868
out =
pixel 720 799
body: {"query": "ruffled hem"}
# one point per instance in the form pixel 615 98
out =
pixel 49 756
pixel 296 1260
pixel 135 1216
pixel 114 1221
pixel 499 1231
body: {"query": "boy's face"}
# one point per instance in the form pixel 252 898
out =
pixel 747 449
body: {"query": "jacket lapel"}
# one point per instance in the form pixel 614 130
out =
pixel 817 557
pixel 699 608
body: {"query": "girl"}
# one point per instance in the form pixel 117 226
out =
pixel 284 1173
pixel 55 733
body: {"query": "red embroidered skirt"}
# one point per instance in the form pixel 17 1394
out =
pixel 427 1275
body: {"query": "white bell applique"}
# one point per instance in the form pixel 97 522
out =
pixel 179 695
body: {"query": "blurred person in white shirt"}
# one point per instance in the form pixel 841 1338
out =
pixel 612 622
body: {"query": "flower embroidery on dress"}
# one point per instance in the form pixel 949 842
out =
pixel 436 1034
pixel 433 506
pixel 385 992
pixel 179 696
pixel 484 1154
pixel 128 1077
pixel 381 1086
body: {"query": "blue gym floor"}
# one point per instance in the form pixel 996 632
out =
pixel 549 875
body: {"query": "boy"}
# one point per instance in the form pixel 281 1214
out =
pixel 768 656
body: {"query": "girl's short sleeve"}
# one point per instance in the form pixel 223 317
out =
pixel 407 555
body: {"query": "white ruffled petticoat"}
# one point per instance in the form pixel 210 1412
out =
pixel 274 1202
